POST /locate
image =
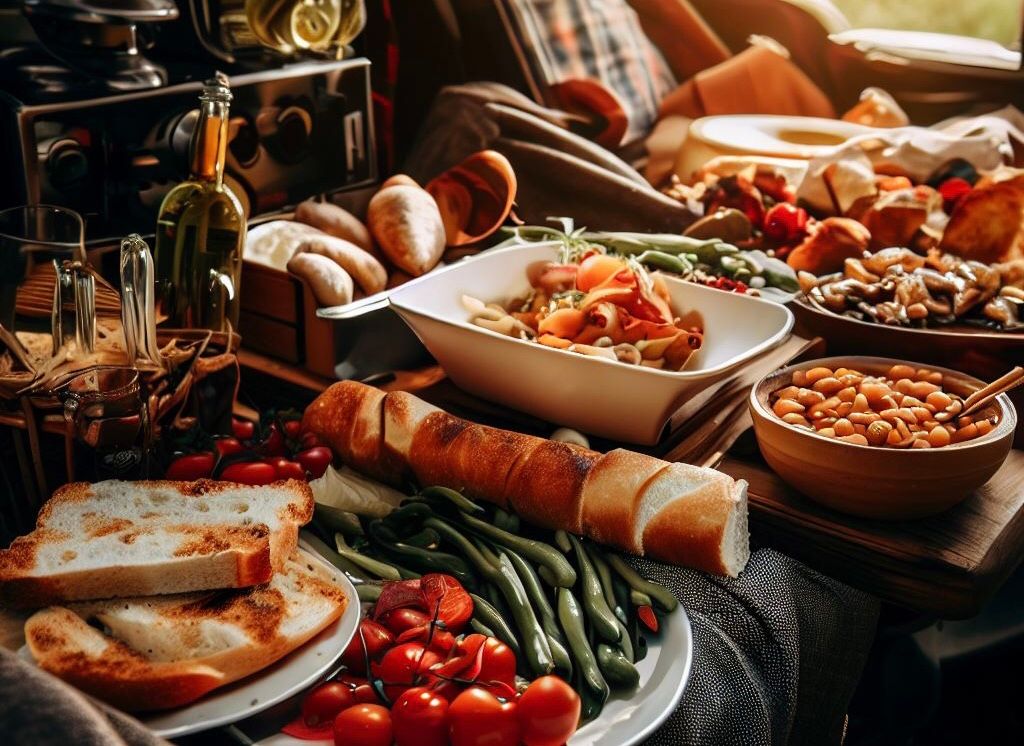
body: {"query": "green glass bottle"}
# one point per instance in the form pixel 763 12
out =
pixel 200 231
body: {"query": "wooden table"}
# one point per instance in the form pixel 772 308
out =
pixel 946 566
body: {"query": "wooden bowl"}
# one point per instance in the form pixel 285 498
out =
pixel 875 482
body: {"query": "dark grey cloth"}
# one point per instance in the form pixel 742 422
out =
pixel 778 652
pixel 37 709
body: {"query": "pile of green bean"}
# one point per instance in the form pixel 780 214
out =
pixel 681 255
pixel 565 606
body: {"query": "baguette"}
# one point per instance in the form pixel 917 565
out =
pixel 145 538
pixel 676 513
pixel 161 652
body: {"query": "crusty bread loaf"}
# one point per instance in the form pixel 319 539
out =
pixel 676 513
pixel 611 495
pixel 694 517
pixel 143 538
pixel 350 418
pixel 166 651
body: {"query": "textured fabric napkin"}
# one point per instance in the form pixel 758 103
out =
pixel 778 652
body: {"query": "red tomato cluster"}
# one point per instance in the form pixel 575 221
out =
pixel 437 690
pixel 280 450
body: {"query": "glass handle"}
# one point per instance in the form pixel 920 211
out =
pixel 85 309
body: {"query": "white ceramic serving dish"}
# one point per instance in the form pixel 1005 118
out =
pixel 597 396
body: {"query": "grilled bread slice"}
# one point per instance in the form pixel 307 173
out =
pixel 162 652
pixel 144 538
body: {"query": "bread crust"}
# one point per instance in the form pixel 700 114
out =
pixel 691 529
pixel 546 487
pixel 206 555
pixel 64 644
pixel 611 496
pixel 350 417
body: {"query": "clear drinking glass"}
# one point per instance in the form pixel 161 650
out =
pixel 31 238
pixel 106 406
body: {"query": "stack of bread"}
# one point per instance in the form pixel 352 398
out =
pixel 151 594
pixel 676 513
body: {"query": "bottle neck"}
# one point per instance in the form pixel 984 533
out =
pixel 210 142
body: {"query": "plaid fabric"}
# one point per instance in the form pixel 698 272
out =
pixel 598 39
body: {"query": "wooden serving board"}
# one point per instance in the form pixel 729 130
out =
pixel 947 565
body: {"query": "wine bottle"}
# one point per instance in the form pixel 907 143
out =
pixel 200 232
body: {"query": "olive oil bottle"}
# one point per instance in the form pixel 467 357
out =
pixel 200 231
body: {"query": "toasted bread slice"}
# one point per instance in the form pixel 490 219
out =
pixel 166 651
pixel 144 538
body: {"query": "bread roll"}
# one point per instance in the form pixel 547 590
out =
pixel 675 513
pixel 337 222
pixel 331 285
pixel 363 268
pixel 407 225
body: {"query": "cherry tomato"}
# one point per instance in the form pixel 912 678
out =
pixel 191 466
pixel 377 639
pixel 228 446
pixel 400 620
pixel 323 703
pixel 308 440
pixel 483 660
pixel 785 223
pixel 292 428
pixel 273 442
pixel 431 635
pixel 254 473
pixel 478 718
pixel 361 689
pixel 420 718
pixel 404 666
pixel 952 190
pixel 242 429
pixel 549 711
pixel 286 469
pixel 363 725
pixel 315 460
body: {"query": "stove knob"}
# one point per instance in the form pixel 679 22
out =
pixel 65 161
pixel 244 142
pixel 179 137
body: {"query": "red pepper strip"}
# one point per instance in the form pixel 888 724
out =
pixel 297 728
pixel 647 617
pixel 467 661
pixel 399 594
pixel 445 597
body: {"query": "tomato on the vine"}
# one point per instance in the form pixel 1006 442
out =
pixel 228 446
pixel 376 638
pixel 324 703
pixel 482 660
pixel 419 717
pixel 549 712
pixel 292 428
pixel 242 429
pixel 478 718
pixel 285 468
pixel 315 460
pixel 363 725
pixel 404 666
pixel 400 620
pixel 190 467
pixel 253 473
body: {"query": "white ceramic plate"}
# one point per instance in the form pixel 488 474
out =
pixel 597 396
pixel 263 689
pixel 626 719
